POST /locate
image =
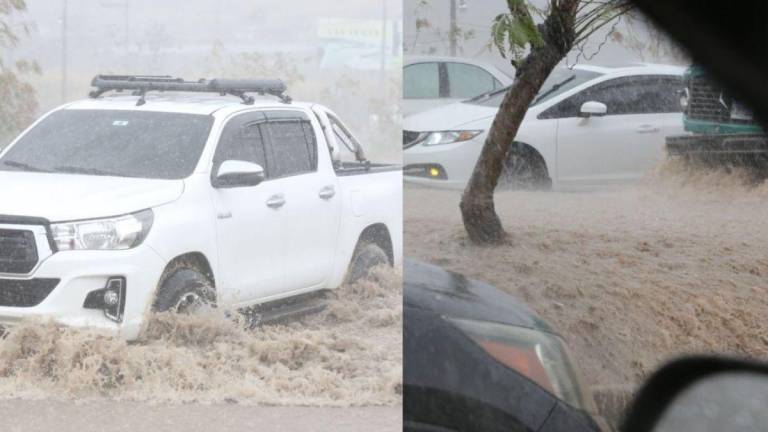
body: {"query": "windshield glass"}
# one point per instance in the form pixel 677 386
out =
pixel 148 145
pixel 560 81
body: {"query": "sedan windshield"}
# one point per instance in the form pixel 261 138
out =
pixel 148 145
pixel 560 81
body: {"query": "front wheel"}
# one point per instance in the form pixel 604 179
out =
pixel 184 290
pixel 524 169
pixel 366 258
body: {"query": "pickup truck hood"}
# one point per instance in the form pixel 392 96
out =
pixel 64 197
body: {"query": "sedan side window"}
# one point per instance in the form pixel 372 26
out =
pixel 421 81
pixel 668 98
pixel 467 81
pixel 624 96
pixel 292 143
pixel 242 140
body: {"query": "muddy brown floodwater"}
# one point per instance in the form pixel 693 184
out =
pixel 350 355
pixel 630 278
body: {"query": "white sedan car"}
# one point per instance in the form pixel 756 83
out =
pixel 430 82
pixel 589 126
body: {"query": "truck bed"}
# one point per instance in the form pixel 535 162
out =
pixel 364 168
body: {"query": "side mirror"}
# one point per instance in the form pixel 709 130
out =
pixel 593 109
pixel 702 395
pixel 235 174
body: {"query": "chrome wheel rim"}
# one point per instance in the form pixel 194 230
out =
pixel 189 303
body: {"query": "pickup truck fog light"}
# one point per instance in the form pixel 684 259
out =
pixel 110 299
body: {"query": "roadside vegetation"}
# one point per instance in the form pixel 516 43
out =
pixel 18 102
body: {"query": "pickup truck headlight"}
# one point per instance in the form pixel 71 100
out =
pixel 539 356
pixel 118 233
pixel 449 137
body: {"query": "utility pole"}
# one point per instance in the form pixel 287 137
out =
pixel 384 43
pixel 453 32
pixel 64 17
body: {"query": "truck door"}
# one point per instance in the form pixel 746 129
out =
pixel 301 168
pixel 250 225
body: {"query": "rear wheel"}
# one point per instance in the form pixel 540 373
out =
pixel 524 169
pixel 367 257
pixel 184 289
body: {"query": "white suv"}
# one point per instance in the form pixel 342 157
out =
pixel 113 207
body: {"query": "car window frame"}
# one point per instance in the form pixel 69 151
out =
pixel 553 111
pixel 440 80
pixel 333 120
pixel 496 83
pixel 280 115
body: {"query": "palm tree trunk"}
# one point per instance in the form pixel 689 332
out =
pixel 477 207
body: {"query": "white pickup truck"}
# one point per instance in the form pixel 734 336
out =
pixel 116 206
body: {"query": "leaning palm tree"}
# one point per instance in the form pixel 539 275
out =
pixel 534 50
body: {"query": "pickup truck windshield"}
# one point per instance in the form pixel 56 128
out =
pixel 150 145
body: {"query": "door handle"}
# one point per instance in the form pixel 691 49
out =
pixel 647 129
pixel 276 201
pixel 327 192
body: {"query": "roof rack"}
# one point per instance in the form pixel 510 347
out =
pixel 140 85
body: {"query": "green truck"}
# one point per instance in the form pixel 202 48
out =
pixel 721 130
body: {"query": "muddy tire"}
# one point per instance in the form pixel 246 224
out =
pixel 366 258
pixel 524 169
pixel 184 289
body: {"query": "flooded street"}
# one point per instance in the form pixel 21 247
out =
pixel 629 277
pixel 350 355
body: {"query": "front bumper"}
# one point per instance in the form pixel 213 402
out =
pixel 81 272
pixel 456 162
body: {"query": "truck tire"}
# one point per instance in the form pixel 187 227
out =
pixel 366 258
pixel 184 290
pixel 524 169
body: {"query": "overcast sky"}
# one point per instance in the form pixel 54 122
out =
pixel 118 35
pixel 478 16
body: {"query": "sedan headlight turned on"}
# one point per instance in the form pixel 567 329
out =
pixel 118 233
pixel 448 137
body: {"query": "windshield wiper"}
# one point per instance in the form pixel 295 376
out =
pixel 488 94
pixel 554 88
pixel 87 171
pixel 24 166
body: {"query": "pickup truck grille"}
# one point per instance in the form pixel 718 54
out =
pixel 25 293
pixel 705 104
pixel 18 251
